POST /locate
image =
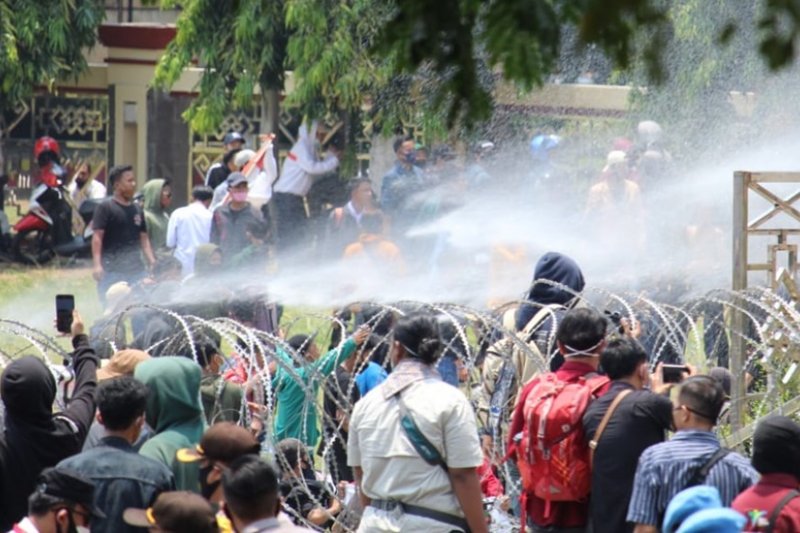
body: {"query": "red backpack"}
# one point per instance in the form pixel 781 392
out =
pixel 553 455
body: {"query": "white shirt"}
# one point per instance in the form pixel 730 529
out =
pixel 26 525
pixel 301 163
pixel 393 470
pixel 92 191
pixel 188 228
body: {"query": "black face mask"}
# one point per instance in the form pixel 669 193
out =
pixel 207 489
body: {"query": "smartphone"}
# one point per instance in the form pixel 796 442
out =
pixel 65 305
pixel 673 373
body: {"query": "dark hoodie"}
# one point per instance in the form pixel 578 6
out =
pixel 560 269
pixel 34 438
pixel 174 413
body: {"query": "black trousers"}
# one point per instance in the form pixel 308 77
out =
pixel 291 222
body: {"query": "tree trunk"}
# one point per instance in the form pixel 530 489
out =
pixel 270 111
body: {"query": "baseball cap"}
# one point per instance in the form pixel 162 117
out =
pixel 69 486
pixel 721 520
pixel 233 136
pixel 122 363
pixel 177 512
pixel 235 179
pixel 242 157
pixel 224 441
pixel 687 502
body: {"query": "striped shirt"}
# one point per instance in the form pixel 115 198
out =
pixel 667 468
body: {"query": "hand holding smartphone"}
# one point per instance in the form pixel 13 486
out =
pixel 65 305
pixel 674 373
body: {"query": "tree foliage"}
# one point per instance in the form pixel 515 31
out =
pixel 241 45
pixel 42 41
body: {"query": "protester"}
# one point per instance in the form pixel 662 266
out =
pixel 306 498
pixel 232 142
pixel 401 489
pixel 555 288
pixel 773 504
pixel 693 456
pixel 254 256
pixel 120 234
pixel 122 478
pixel 219 172
pixel 157 200
pixel 83 187
pixel 344 223
pixel 230 221
pixel 299 169
pixel 61 503
pixel 190 227
pixel 35 437
pixel 222 443
pixel 402 181
pixel 556 499
pixel 639 418
pixel 294 379
pixel 252 499
pixel 374 253
pixel 122 363
pixel 176 512
pixel 174 413
pixel 109 332
pixel 223 401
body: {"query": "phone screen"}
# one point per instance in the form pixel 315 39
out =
pixel 65 304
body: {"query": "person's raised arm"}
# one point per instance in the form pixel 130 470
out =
pixel 81 407
pixel 328 363
pixel 316 168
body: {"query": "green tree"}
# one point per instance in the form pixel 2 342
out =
pixel 41 42
pixel 241 44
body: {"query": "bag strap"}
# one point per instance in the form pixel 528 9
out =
pixel 776 511
pixel 421 444
pixel 604 422
pixel 701 474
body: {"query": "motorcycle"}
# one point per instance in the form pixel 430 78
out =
pixel 46 232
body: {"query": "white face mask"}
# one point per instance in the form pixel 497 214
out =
pixel 82 529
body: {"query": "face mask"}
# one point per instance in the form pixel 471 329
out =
pixel 239 196
pixel 207 489
pixel 411 157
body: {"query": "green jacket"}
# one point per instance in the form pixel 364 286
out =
pixel 222 400
pixel 296 390
pixel 156 217
pixel 174 413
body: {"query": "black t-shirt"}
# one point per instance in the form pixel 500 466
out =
pixel 217 174
pixel 341 393
pixel 639 421
pixel 123 226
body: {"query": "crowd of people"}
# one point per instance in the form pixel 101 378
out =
pixel 561 424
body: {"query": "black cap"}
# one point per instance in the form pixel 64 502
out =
pixel 233 136
pixel 69 486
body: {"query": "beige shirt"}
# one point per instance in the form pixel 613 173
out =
pixel 393 470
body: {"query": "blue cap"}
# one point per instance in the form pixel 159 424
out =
pixel 722 520
pixel 687 502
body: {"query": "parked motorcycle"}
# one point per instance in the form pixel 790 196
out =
pixel 46 229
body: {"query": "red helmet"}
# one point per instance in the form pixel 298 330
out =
pixel 46 144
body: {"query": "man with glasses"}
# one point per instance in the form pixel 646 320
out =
pixel 692 457
pixel 61 503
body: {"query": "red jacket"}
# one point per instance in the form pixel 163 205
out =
pixel 758 502
pixel 562 514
